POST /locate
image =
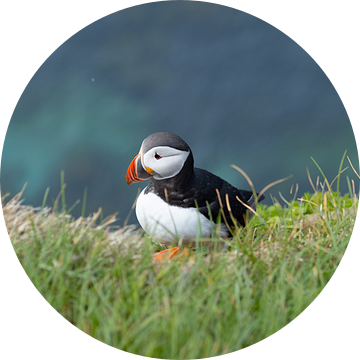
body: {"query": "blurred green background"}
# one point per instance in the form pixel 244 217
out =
pixel 236 89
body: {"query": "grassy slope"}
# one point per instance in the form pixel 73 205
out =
pixel 106 284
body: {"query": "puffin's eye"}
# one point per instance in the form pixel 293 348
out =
pixel 157 156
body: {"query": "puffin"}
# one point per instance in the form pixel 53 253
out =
pixel 182 203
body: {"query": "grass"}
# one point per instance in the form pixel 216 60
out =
pixel 104 281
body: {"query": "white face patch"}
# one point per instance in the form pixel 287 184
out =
pixel 164 161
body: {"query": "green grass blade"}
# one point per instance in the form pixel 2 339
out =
pixel 338 179
pixel 62 182
pixel 84 203
pixel 45 197
pixel 325 179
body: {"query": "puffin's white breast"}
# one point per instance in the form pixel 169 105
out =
pixel 168 223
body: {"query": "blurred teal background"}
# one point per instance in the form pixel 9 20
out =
pixel 236 89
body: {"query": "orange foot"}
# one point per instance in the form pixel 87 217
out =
pixel 171 254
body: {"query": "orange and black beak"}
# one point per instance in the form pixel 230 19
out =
pixel 136 172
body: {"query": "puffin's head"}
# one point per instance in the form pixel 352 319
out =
pixel 162 156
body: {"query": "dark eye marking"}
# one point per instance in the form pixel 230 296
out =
pixel 157 156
